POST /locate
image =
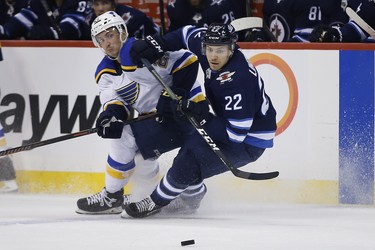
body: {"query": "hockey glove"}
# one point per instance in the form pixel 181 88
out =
pixel 165 105
pixel 151 48
pixel 111 121
pixel 199 110
pixel 325 34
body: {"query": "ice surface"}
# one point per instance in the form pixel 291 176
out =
pixel 40 221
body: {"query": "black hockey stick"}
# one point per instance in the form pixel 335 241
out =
pixel 236 172
pixel 68 137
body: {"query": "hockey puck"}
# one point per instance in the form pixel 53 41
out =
pixel 187 242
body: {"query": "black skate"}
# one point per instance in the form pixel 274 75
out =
pixel 185 203
pixel 101 203
pixel 143 208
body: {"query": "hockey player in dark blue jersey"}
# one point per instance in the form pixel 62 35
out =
pixel 8 8
pixel 138 23
pixel 244 124
pixel 351 32
pixel 202 13
pixel 67 20
pixel 294 20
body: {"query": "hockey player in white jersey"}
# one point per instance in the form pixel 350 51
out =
pixel 127 91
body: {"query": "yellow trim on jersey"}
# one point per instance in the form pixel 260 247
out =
pixel 128 68
pixel 120 175
pixel 199 98
pixel 114 102
pixel 191 60
pixel 3 142
pixel 106 70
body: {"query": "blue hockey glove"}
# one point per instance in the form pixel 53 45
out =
pixel 151 48
pixel 199 110
pixel 111 121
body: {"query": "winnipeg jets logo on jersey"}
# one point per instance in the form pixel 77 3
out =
pixel 279 27
pixel 218 2
pixel 225 77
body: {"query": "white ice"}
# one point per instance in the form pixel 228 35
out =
pixel 41 221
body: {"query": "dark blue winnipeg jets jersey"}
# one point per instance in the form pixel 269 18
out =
pixel 181 13
pixel 8 10
pixel 236 92
pixel 293 20
pixel 138 23
pixel 70 17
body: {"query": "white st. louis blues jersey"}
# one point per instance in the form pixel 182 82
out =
pixel 137 87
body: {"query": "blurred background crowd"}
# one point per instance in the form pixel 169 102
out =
pixel 284 20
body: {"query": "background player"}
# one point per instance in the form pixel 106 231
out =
pixel 67 21
pixel 138 24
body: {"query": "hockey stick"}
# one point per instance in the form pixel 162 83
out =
pixel 247 23
pixel 252 22
pixel 236 172
pixel 51 17
pixel 68 137
pixel 361 23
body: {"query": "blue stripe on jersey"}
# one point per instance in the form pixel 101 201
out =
pixel 260 139
pixel 241 123
pixel 120 166
pixel 166 191
pixel 1 133
pixel 27 18
pixel 185 60
pixel 235 137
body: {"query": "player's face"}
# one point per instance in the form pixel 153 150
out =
pixel 217 56
pixel 102 6
pixel 109 41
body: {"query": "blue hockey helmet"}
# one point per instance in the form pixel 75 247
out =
pixel 219 34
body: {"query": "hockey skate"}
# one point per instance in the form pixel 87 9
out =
pixel 8 186
pixel 140 209
pixel 7 176
pixel 102 203
pixel 185 203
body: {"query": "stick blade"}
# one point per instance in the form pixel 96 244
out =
pixel 247 23
pixel 255 176
pixel 361 23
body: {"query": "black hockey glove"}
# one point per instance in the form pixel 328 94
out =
pixel 151 48
pixel 199 110
pixel 325 34
pixel 165 105
pixel 111 121
pixel 42 32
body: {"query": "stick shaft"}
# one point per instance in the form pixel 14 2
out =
pixel 66 137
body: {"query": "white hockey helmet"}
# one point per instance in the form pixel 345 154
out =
pixel 106 21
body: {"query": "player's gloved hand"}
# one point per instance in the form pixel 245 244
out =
pixel 165 107
pixel 325 34
pixel 42 32
pixel 111 121
pixel 151 48
pixel 199 110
